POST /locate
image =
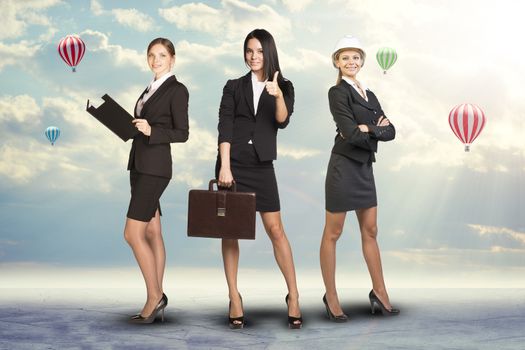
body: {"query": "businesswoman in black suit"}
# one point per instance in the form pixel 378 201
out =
pixel 252 109
pixel 161 116
pixel 350 184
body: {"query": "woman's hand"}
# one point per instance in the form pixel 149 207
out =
pixel 363 128
pixel 273 87
pixel 225 177
pixel 142 125
pixel 383 121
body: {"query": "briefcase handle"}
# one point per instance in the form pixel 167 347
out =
pixel 214 181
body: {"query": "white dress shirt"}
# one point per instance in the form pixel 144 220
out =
pixel 258 87
pixel 357 87
pixel 152 87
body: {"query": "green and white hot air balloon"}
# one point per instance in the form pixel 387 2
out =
pixel 386 57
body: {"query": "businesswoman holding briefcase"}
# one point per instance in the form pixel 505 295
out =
pixel 252 109
pixel 161 116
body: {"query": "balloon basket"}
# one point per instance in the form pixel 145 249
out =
pixel 384 72
pixel 467 148
pixel 74 69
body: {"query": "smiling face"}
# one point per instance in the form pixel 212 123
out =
pixel 160 61
pixel 349 62
pixel 254 56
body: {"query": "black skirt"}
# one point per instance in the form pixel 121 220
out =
pixel 349 185
pixel 145 195
pixel 252 175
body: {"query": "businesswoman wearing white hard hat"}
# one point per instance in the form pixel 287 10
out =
pixel 350 184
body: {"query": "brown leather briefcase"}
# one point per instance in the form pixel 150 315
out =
pixel 221 213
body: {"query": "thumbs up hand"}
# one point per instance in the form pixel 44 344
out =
pixel 273 87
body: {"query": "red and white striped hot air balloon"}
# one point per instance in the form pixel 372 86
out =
pixel 72 49
pixel 466 121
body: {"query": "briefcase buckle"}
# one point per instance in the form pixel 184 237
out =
pixel 221 211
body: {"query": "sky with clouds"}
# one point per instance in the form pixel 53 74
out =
pixel 442 212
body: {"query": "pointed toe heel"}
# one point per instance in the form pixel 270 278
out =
pixel 336 318
pixel 161 305
pixel 375 303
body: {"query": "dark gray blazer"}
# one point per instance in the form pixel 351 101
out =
pixel 349 109
pixel 167 113
pixel 238 123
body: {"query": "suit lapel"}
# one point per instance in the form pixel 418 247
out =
pixel 248 91
pixel 356 97
pixel 136 104
pixel 158 93
pixel 265 101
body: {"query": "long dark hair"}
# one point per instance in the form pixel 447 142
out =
pixel 271 59
pixel 164 42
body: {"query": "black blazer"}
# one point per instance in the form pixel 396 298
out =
pixel 350 109
pixel 167 113
pixel 238 123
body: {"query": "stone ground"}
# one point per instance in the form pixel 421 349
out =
pixel 55 318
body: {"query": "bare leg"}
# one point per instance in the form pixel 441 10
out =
pixel 332 231
pixel 156 243
pixel 283 255
pixel 368 224
pixel 230 258
pixel 135 235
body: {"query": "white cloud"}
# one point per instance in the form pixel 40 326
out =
pixel 303 60
pixel 494 230
pixel 296 5
pixel 22 165
pixel 134 19
pixel 189 53
pixel 96 8
pixel 195 16
pixel 233 20
pixel 16 16
pixel 99 42
pixel 447 258
pixel 201 145
pixel 131 17
pixel 20 53
pixel 296 152
pixel 20 109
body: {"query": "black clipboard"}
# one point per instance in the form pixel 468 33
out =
pixel 114 117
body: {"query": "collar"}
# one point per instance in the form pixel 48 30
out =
pixel 255 80
pixel 154 85
pixel 354 85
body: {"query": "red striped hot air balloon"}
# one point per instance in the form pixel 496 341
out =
pixel 466 121
pixel 71 49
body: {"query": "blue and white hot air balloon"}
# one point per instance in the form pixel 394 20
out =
pixel 52 133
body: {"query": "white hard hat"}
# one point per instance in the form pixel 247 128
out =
pixel 348 42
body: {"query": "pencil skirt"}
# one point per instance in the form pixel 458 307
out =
pixel 145 195
pixel 349 185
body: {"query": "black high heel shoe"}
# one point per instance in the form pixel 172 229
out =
pixel 375 302
pixel 336 318
pixel 236 322
pixel 292 321
pixel 151 318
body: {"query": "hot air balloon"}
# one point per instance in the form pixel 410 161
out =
pixel 466 121
pixel 386 57
pixel 52 133
pixel 71 49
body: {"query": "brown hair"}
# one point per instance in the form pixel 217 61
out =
pixel 164 42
